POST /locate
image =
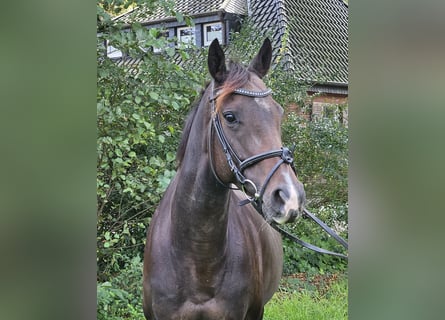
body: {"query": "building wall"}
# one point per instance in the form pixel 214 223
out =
pixel 323 105
pixel 331 105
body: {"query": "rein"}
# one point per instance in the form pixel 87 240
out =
pixel 285 156
pixel 311 246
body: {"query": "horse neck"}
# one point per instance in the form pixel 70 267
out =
pixel 199 210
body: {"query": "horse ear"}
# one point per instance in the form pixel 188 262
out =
pixel 216 61
pixel 261 63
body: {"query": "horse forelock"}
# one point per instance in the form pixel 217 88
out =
pixel 236 77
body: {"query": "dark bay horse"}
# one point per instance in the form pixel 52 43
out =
pixel 207 256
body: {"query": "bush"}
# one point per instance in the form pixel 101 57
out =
pixel 140 111
pixel 299 259
pixel 321 160
pixel 121 297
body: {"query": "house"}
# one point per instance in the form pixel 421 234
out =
pixel 313 34
pixel 212 19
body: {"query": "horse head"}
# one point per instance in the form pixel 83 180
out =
pixel 245 143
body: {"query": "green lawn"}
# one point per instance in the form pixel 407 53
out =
pixel 300 296
pixel 326 301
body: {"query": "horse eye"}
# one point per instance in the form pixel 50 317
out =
pixel 230 117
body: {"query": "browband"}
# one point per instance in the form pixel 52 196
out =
pixel 248 93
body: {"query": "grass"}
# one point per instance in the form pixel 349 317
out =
pixel 300 297
pixel 317 298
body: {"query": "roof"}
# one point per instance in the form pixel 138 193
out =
pixel 191 8
pixel 314 34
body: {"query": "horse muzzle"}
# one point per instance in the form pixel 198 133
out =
pixel 287 203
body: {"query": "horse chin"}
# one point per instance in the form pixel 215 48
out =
pixel 287 217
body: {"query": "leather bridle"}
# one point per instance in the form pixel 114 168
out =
pixel 237 166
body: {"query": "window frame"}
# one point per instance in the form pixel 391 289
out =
pixel 179 37
pixel 205 33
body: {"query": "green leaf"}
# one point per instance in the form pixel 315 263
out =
pixel 170 51
pixel 154 95
pixel 189 21
pixel 179 17
pixel 154 32
pixel 154 161
pixel 175 105
pixel 170 156
pixel 138 99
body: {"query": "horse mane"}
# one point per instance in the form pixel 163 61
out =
pixel 236 77
pixel 187 128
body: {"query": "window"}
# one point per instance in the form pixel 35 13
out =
pixel 212 31
pixel 113 52
pixel 186 35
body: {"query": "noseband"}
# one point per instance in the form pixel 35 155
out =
pixel 284 153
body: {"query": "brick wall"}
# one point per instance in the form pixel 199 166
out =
pixel 322 105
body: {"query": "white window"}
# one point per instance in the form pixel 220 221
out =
pixel 212 31
pixel 186 35
pixel 113 52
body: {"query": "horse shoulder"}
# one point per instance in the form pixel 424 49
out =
pixel 157 260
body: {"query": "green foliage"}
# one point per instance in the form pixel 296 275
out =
pixel 121 297
pixel 299 259
pixel 140 111
pixel 321 160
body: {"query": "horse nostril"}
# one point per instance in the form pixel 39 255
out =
pixel 289 201
pixel 280 197
pixel 285 204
